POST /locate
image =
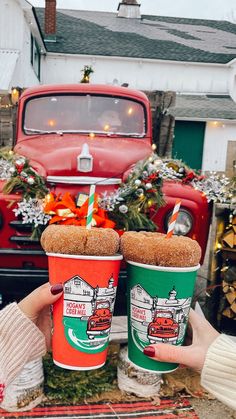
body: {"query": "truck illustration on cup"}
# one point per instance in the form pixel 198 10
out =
pixel 99 323
pixel 163 328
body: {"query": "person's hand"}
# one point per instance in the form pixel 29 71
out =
pixel 193 356
pixel 36 306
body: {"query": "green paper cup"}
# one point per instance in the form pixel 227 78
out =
pixel 159 301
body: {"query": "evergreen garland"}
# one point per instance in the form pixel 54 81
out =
pixel 130 205
pixel 22 177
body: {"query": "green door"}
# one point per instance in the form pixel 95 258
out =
pixel 188 143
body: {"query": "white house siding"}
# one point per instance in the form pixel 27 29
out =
pixel 24 75
pixel 139 74
pixel 11 25
pixel 217 135
pixel 232 79
pixel 15 35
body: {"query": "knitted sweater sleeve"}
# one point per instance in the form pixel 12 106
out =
pixel 20 342
pixel 219 371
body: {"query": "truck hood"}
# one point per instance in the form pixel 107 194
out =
pixel 57 155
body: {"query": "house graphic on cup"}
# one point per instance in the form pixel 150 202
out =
pixel 155 319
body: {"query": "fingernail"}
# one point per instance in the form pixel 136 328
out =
pixel 56 289
pixel 149 351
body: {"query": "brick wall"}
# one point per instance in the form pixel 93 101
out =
pixel 50 17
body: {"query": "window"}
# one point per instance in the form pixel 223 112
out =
pixel 35 56
pixel 105 115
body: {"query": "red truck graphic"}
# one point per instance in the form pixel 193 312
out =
pixel 99 323
pixel 163 328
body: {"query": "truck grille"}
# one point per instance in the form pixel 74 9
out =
pixel 23 240
pixel 21 227
pixel 24 236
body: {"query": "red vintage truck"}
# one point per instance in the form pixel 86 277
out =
pixel 75 136
pixel 99 323
pixel 163 328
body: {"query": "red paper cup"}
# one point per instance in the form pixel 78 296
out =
pixel 82 316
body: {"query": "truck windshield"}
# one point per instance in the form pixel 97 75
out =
pixel 104 304
pixel 106 115
pixel 165 314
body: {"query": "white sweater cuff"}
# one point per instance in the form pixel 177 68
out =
pixel 219 371
pixel 20 342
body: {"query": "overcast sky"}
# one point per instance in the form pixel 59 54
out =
pixel 206 9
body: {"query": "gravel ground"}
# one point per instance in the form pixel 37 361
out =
pixel 212 409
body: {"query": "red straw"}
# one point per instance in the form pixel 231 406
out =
pixel 173 219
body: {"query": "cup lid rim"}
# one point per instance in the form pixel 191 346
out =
pixel 86 257
pixel 165 268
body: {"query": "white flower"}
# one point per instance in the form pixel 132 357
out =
pixel 30 180
pixel 157 163
pixel 139 192
pixel 20 161
pixel 32 212
pixel 12 170
pixel 123 209
pixel 6 169
pixel 148 186
pixel 137 182
pixel 24 174
pixel 151 168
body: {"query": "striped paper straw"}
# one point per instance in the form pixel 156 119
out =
pixel 90 207
pixel 173 219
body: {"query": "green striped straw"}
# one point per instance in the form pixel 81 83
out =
pixel 90 207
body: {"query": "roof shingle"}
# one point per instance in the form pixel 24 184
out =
pixel 151 37
pixel 204 107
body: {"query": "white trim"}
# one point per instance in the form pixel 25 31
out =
pixel 84 180
pixel 86 257
pixel 165 268
pixel 189 118
pixel 138 59
pixel 74 368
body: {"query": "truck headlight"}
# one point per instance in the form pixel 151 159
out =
pixel 183 223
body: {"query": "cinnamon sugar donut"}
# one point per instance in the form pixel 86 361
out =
pixel 140 246
pixel 102 242
pixel 156 249
pixel 179 251
pixel 76 240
